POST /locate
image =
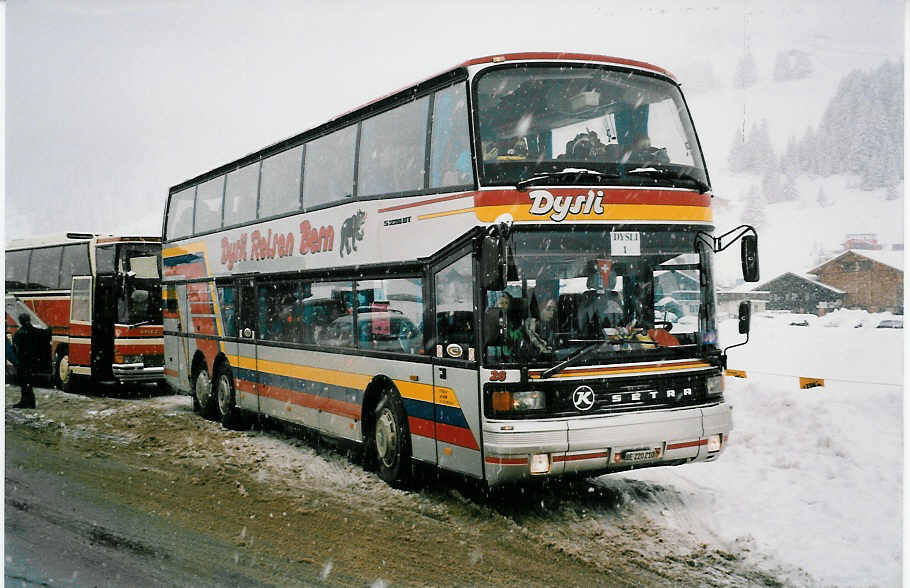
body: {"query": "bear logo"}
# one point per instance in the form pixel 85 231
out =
pixel 351 232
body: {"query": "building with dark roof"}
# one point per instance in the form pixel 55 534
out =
pixel 872 280
pixel 801 293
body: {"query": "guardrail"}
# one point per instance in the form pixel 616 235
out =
pixel 806 382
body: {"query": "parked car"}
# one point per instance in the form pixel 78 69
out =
pixel 799 323
pixel 382 331
pixel 890 324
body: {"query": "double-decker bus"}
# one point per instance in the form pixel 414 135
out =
pixel 101 297
pixel 504 271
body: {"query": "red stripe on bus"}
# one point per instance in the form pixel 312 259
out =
pixel 204 325
pixel 614 196
pixel 80 353
pixel 138 349
pixel 80 330
pixel 580 456
pixel 195 269
pixel 338 407
pixel 456 436
pixel 138 332
pixel 687 444
pixel 506 460
pixel 564 56
pixel 428 201
pixel 55 313
pixel 422 427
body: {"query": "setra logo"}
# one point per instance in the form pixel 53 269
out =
pixel 583 398
pixel 559 207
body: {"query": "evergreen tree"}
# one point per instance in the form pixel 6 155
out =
pixel 788 190
pixel 782 67
pixel 771 186
pixel 754 209
pixel 800 65
pixel 861 131
pixel 746 73
pixel 789 161
pixel 736 159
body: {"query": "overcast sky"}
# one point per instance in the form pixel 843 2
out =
pixel 110 102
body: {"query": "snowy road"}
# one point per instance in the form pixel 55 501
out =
pixel 795 500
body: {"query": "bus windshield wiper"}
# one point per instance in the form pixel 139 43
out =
pixel 670 174
pixel 574 358
pixel 569 172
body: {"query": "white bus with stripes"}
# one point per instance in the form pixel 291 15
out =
pixel 503 271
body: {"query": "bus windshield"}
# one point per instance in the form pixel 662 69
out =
pixel 623 293
pixel 139 299
pixel 548 122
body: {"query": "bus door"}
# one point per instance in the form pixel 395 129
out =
pixel 456 394
pixel 79 356
pixel 104 317
pixel 246 370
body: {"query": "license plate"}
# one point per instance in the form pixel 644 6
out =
pixel 640 454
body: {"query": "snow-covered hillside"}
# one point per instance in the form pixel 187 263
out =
pixel 811 479
pixel 790 233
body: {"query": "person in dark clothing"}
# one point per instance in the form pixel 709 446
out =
pixel 26 343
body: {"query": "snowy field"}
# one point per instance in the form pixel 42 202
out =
pixel 811 482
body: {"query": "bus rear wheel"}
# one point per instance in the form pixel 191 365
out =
pixel 392 440
pixel 227 398
pixel 203 399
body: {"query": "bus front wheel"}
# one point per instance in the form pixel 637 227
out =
pixel 392 440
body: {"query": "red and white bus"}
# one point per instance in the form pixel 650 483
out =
pixel 504 271
pixel 101 297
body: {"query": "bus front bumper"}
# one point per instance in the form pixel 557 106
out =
pixel 603 444
pixel 137 372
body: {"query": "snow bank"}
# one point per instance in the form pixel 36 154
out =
pixel 811 478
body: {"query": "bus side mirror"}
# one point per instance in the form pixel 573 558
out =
pixel 750 258
pixel 493 320
pixel 745 317
pixel 491 263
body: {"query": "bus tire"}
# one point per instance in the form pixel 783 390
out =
pixel 64 379
pixel 203 399
pixel 61 370
pixel 391 440
pixel 226 397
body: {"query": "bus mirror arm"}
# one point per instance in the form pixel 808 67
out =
pixel 493 320
pixel 745 319
pixel 494 256
pixel 749 247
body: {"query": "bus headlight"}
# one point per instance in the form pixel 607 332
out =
pixel 715 386
pixel 507 401
pixel 128 359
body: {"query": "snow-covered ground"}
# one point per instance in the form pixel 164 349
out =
pixel 811 479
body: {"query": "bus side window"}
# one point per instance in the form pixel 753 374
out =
pixel 450 151
pixel 228 304
pixel 327 319
pixel 392 146
pixel 277 311
pixel 455 304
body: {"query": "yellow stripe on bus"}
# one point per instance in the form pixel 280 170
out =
pixel 184 249
pixel 636 370
pixel 411 390
pixel 641 212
